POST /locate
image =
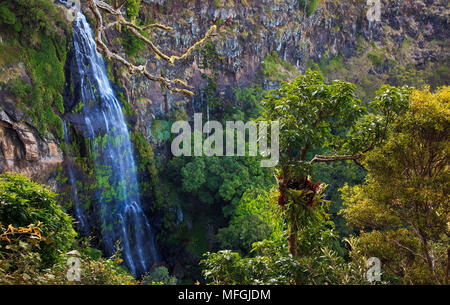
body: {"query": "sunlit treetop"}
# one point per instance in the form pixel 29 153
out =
pixel 315 115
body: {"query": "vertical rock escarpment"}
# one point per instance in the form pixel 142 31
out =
pixel 23 150
pixel 409 34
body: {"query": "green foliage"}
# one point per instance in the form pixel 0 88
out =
pixel 194 175
pixel 402 210
pixel 209 57
pixel 132 45
pixel 389 103
pixel 39 42
pixel 8 17
pixel 334 64
pixel 336 175
pixel 29 17
pixel 9 50
pixel 372 66
pixel 434 74
pixel 21 265
pixel 213 101
pixel 312 114
pixel 159 275
pixel 240 236
pixel 256 202
pixel 20 260
pixel 277 70
pixel 269 261
pixel 127 108
pixel 222 179
pixel 48 77
pixel 197 242
pixel 101 271
pixel 23 202
pixel 147 166
pixel 274 266
pixel 253 219
pixel 132 7
pixel 316 117
pixel 209 63
pixel 217 4
pixel 208 189
pixel 248 103
pixel 95 269
pixel 309 6
pixel 376 58
pixel 77 108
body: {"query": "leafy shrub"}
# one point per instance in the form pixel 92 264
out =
pixel 277 70
pixel 309 6
pixel 31 16
pixel 159 275
pixel 376 58
pixel 222 180
pixel 95 270
pixel 23 203
pixel 253 219
pixel 147 166
pixel 20 262
pixel 248 100
pixel 132 45
pixel 132 7
pixel 6 16
pixel 274 266
pixel 37 37
pixel 240 236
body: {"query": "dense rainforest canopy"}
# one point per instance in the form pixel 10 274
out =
pixel 363 169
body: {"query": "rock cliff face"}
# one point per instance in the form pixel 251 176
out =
pixel 337 36
pixel 251 29
pixel 409 33
pixel 22 148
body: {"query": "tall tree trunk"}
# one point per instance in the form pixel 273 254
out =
pixel 426 255
pixel 292 238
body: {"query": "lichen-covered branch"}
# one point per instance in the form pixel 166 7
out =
pixel 320 158
pixel 99 6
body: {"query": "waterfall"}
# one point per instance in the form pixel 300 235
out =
pixel 101 120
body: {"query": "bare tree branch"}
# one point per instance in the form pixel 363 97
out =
pixel 175 85
pixel 320 158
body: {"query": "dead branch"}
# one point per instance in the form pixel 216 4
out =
pixel 98 6
pixel 320 158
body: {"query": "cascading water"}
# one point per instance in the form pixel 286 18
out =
pixel 102 121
